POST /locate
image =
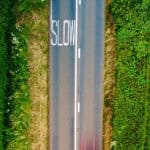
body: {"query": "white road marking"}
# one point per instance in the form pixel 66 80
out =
pixel 79 54
pixel 78 107
pixel 51 11
pixel 94 146
pixel 85 144
pixel 76 73
pixel 79 2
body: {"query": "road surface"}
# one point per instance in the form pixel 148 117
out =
pixel 76 74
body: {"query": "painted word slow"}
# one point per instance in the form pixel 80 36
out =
pixel 63 33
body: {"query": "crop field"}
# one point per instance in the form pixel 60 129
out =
pixel 131 116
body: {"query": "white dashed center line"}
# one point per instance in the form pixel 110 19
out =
pixel 78 107
pixel 76 80
pixel 79 54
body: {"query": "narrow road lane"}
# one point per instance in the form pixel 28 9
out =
pixel 62 79
pixel 76 74
pixel 91 28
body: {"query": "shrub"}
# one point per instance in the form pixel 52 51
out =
pixel 4 16
pixel 28 5
pixel 18 99
pixel 131 104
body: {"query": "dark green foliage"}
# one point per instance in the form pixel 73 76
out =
pixel 14 74
pixel 17 116
pixel 30 5
pixel 4 16
pixel 18 99
pixel 131 105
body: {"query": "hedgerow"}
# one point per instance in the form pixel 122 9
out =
pixel 131 116
pixel 17 99
pixel 4 16
pixel 17 115
pixel 14 74
pixel 26 6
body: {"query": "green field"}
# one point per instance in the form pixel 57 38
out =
pixel 131 118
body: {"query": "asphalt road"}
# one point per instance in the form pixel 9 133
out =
pixel 91 41
pixel 76 74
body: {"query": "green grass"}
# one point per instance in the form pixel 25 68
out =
pixel 131 105
pixel 17 104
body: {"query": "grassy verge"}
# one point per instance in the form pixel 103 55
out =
pixel 4 16
pixel 38 62
pixel 131 105
pixel 18 106
pixel 34 15
pixel 17 112
pixel 109 79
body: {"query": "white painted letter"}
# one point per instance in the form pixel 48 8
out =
pixel 66 32
pixel 54 35
pixel 58 32
pixel 72 32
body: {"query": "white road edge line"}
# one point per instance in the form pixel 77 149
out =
pixel 78 107
pixel 79 2
pixel 51 11
pixel 76 73
pixel 79 54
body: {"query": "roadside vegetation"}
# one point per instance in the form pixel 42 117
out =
pixel 16 21
pixel 131 118
pixel 16 100
pixel 4 16
pixel 109 78
pixel 38 81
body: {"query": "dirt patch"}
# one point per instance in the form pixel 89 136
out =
pixel 109 79
pixel 38 63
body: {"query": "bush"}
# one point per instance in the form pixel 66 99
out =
pixel 14 74
pixel 18 99
pixel 16 91
pixel 131 104
pixel 4 16
pixel 28 5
